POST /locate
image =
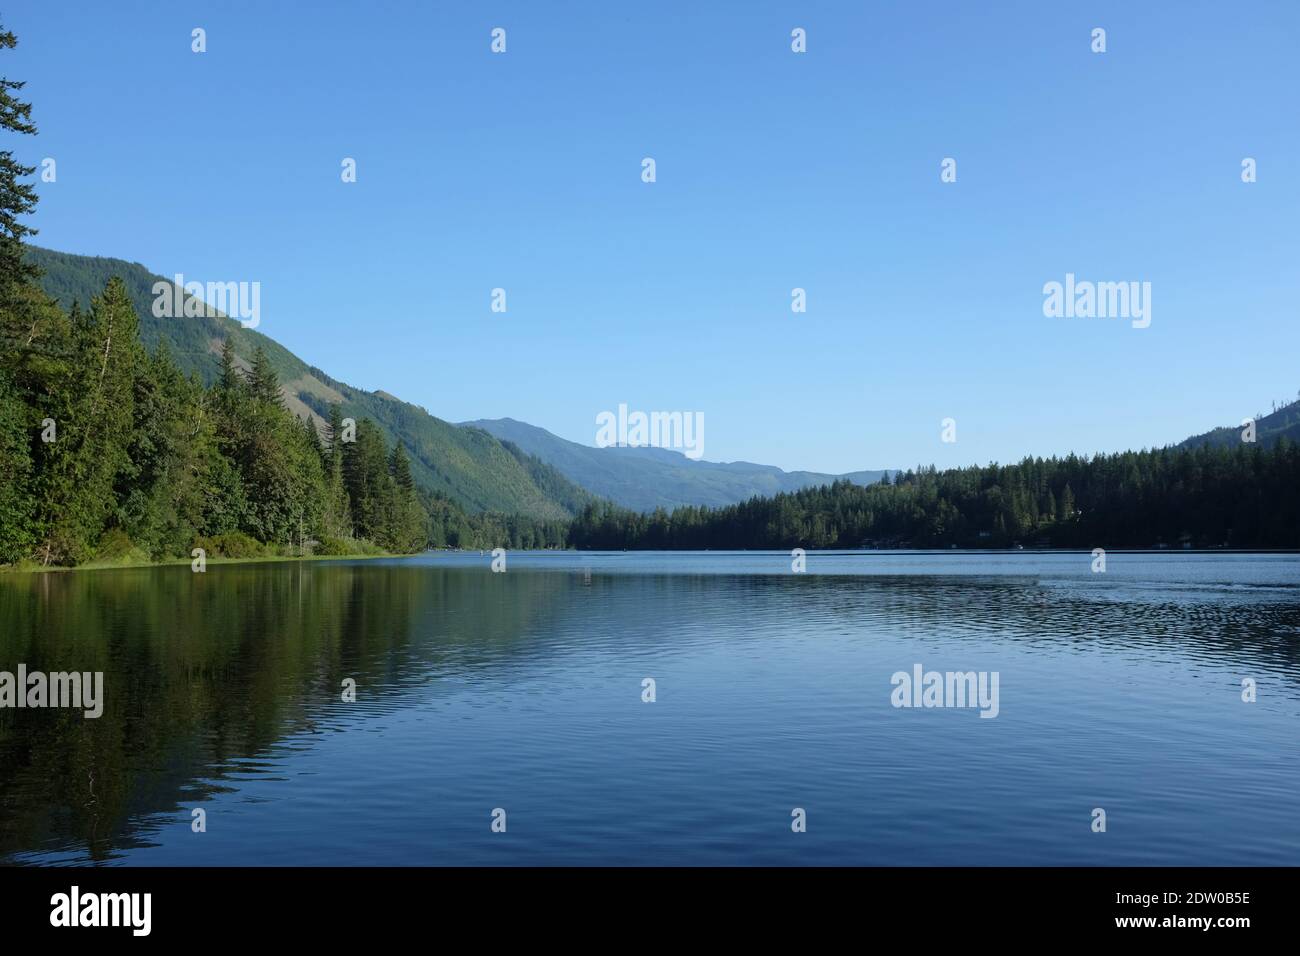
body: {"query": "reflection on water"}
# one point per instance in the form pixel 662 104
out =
pixel 523 691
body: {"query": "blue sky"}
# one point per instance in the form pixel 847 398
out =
pixel 774 170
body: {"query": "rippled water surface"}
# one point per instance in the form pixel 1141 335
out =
pixel 523 691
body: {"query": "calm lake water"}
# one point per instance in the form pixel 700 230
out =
pixel 523 691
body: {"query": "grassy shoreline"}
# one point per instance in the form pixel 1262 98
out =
pixel 31 567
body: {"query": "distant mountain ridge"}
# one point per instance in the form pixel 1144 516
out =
pixel 469 466
pixel 1282 422
pixel 645 478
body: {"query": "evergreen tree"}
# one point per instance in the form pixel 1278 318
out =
pixel 1067 503
pixel 17 499
pixel 407 530
pixel 76 483
pixel 338 517
pixel 310 433
pixel 231 382
pixel 400 468
pixel 263 382
pixel 17 198
pixel 368 483
pixel 162 494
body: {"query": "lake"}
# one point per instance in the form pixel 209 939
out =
pixel 774 693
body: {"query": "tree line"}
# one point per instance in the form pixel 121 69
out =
pixel 111 452
pixel 1204 497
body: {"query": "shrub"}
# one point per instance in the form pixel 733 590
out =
pixel 328 545
pixel 116 545
pixel 233 544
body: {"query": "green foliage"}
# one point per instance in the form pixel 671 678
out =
pixel 1239 497
pixel 233 544
pixel 115 546
pixel 450 527
pixel 143 463
pixel 468 466
pixel 1282 422
pixel 17 198
pixel 346 546
pixel 91 399
pixel 263 382
pixel 381 497
pixel 337 513
pixel 17 498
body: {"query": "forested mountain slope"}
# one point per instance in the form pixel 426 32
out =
pixel 469 466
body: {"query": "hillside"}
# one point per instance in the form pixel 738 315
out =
pixel 1241 496
pixel 1283 422
pixel 467 465
pixel 647 478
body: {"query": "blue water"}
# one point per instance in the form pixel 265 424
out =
pixel 523 691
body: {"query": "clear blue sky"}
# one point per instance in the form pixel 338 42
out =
pixel 775 170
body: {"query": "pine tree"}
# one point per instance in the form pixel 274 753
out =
pixel 309 430
pixel 17 500
pixel 366 476
pixel 263 382
pixel 17 198
pixel 1066 508
pixel 338 517
pixel 335 436
pixel 77 480
pixel 162 492
pixel 407 530
pixel 231 381
pixel 400 467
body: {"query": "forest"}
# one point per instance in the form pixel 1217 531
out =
pixel 1244 496
pixel 110 454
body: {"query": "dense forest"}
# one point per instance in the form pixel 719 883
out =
pixel 110 453
pixel 467 466
pixel 1239 497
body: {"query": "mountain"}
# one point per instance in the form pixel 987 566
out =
pixel 1282 422
pixel 647 478
pixel 468 465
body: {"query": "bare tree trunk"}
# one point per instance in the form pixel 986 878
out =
pixel 108 344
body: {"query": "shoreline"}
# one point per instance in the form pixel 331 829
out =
pixel 847 552
pixel 177 562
